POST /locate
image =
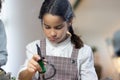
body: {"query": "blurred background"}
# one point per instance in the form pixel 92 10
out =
pixel 96 21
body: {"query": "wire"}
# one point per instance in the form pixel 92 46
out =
pixel 46 78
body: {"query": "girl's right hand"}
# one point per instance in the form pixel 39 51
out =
pixel 33 65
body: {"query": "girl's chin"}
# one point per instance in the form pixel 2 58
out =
pixel 53 41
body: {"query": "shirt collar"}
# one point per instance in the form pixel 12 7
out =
pixel 65 42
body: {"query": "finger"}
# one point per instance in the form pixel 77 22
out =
pixel 36 57
pixel 45 61
pixel 31 68
pixel 35 64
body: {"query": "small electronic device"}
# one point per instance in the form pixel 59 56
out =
pixel 41 60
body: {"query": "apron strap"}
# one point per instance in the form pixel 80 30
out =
pixel 43 47
pixel 74 53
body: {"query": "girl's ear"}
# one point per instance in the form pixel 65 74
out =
pixel 70 22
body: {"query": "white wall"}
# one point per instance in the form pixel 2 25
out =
pixel 22 26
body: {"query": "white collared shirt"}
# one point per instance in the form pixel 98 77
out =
pixel 64 49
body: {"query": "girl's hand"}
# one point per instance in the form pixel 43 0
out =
pixel 32 68
pixel 33 65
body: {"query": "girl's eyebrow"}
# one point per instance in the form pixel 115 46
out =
pixel 45 24
pixel 59 25
pixel 54 26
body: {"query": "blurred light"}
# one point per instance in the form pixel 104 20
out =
pixel 117 64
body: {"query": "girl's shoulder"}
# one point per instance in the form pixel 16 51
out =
pixel 85 52
pixel 85 48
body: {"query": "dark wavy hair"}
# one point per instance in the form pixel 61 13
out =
pixel 63 9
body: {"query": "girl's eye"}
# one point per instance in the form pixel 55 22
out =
pixel 59 27
pixel 47 27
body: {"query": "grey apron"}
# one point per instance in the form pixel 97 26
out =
pixel 66 68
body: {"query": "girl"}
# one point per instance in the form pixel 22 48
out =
pixel 72 59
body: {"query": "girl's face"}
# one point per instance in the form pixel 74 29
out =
pixel 55 28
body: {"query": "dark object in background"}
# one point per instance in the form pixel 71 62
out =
pixel 94 49
pixel 116 43
pixel 2 70
pixel 4 75
pixel 118 53
pixel 98 70
pixel 76 4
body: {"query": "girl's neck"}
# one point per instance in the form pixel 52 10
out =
pixel 67 35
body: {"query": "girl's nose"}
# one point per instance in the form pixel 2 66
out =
pixel 53 33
